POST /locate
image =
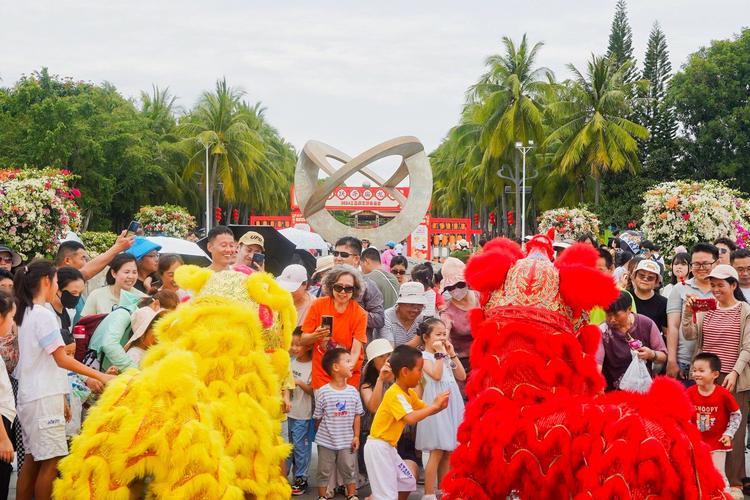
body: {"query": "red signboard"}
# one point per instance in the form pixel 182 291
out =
pixel 360 198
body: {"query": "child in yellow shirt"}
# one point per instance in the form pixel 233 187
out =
pixel 389 477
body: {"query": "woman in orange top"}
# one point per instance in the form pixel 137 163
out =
pixel 341 285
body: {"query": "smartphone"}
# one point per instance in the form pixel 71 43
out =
pixel 327 322
pixel 708 304
pixel 133 227
pixel 259 258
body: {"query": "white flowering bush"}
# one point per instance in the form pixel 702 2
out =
pixel 569 223
pixel 37 209
pixel 165 220
pixel 686 212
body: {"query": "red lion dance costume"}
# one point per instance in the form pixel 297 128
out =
pixel 537 425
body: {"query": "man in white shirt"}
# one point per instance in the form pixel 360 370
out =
pixel 741 264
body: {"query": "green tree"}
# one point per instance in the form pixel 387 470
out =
pixel 88 129
pixel 710 96
pixel 591 132
pixel 655 113
pixel 620 47
pixel 502 108
pixel 247 157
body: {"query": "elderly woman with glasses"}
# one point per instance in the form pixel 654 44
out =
pixel 336 320
pixel 459 301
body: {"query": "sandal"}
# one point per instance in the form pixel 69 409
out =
pixel 353 497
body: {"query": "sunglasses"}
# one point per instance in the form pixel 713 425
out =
pixel 460 284
pixel 7 260
pixel 398 272
pixel 341 288
pixel 344 255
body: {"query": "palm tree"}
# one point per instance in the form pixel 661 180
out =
pixel 591 133
pixel 509 92
pixel 159 107
pixel 502 108
pixel 220 123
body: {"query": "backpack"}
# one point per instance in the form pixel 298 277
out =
pixel 82 333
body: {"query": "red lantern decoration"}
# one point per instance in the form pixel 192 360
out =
pixel 235 215
pixel 492 218
pixel 510 217
pixel 476 219
pixel 217 214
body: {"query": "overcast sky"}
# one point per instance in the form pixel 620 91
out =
pixel 351 74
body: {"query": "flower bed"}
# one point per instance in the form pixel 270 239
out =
pixel 37 209
pixel 165 220
pixel 569 223
pixel 686 212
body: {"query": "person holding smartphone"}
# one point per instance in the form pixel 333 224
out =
pixel 336 320
pixel 251 250
pixel 680 351
pixel 723 328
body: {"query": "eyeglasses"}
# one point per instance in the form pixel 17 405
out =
pixel 723 250
pixel 398 272
pixel 702 265
pixel 742 269
pixel 152 255
pixel 343 255
pixel 7 260
pixel 341 288
pixel 460 284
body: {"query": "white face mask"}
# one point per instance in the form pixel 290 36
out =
pixel 459 293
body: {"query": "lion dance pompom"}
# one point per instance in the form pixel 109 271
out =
pixel 202 418
pixel 537 425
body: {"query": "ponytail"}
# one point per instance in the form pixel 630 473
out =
pixel 26 284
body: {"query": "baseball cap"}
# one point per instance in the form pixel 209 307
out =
pixel 13 255
pixel 411 292
pixel 292 277
pixel 462 243
pixel 141 247
pixel 648 265
pixel 253 238
pixel 724 271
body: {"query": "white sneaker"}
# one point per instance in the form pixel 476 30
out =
pixel 736 493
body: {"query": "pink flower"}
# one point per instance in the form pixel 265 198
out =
pixel 686 215
pixel 266 315
pixel 75 192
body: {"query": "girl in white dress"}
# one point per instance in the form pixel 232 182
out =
pixel 437 434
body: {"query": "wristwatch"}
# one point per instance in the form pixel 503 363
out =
pixel 440 355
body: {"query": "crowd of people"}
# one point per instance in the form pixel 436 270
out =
pixel 376 336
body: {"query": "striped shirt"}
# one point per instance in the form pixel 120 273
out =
pixel 394 331
pixel 336 410
pixel 721 335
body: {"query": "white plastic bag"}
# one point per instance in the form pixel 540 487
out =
pixel 636 377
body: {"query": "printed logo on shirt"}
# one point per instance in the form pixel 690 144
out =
pixel 340 409
pixel 705 418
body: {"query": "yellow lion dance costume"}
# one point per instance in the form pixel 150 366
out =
pixel 202 418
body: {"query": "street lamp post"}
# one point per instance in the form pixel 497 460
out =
pixel 524 149
pixel 208 198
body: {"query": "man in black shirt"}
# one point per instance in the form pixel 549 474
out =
pixel 645 279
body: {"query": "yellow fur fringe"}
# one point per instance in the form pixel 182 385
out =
pixel 202 416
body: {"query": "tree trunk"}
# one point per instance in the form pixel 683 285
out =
pixel 597 189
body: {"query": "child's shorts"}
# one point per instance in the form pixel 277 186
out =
pixel 43 427
pixel 343 461
pixel 387 472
